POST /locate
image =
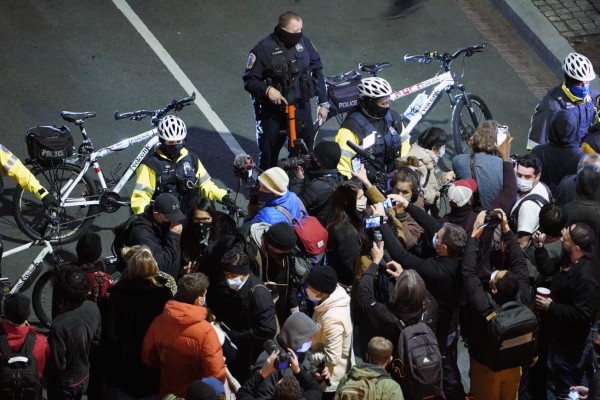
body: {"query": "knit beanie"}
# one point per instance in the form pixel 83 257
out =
pixel 323 278
pixel 296 330
pixel 281 236
pixel 17 308
pixel 328 153
pixel 275 180
pixel 89 248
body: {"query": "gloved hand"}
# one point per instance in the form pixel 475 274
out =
pixel 49 200
pixel 229 203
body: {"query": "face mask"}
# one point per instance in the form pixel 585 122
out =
pixel 203 304
pixel 288 39
pixel 442 152
pixel 374 110
pixel 171 151
pixel 435 242
pixel 235 284
pixel 580 91
pixel 203 230
pixel 315 300
pixel 361 204
pixel 493 276
pixel 524 185
pixel 305 347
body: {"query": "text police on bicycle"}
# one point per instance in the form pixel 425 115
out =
pixel 284 68
pixel 174 169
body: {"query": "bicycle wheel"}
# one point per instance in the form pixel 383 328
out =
pixel 41 298
pixel 464 122
pixel 30 214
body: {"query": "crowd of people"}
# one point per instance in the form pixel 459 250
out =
pixel 341 266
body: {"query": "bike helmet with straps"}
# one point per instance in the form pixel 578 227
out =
pixel 374 87
pixel 578 67
pixel 171 128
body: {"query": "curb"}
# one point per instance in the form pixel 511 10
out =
pixel 539 33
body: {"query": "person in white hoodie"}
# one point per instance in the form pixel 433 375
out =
pixel 332 344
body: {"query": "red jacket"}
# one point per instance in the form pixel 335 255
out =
pixel 16 336
pixel 184 346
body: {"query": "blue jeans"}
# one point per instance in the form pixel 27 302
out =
pixel 564 372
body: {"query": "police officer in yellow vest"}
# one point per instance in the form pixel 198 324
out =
pixel 374 116
pixel 174 169
pixel 14 168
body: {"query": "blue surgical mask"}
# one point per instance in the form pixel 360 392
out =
pixel 236 283
pixel 442 152
pixel 580 91
pixel 305 347
pixel 435 241
pixel 524 185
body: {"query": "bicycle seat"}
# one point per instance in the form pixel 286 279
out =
pixel 373 69
pixel 70 116
pixel 342 79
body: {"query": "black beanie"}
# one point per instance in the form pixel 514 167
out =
pixel 324 279
pixel 17 308
pixel 236 269
pixel 281 236
pixel 328 153
pixel 89 248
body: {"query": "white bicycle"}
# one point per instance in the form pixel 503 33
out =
pixel 81 198
pixel 468 110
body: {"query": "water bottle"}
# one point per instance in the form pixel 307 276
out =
pixel 416 104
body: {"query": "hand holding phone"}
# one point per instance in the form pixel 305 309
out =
pixel 501 134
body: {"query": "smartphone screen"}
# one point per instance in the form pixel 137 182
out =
pixel 502 134
pixel 356 164
pixel 283 364
pixel 373 222
pixel 387 204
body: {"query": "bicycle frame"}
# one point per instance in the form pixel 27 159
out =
pixel 35 264
pixel 443 81
pixel 91 160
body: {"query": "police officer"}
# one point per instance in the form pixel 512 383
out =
pixel 174 169
pixel 374 116
pixel 284 68
pixel 14 168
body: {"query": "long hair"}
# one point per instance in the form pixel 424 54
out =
pixel 140 263
pixel 343 208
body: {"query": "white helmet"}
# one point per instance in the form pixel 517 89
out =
pixel 374 87
pixel 578 67
pixel 171 128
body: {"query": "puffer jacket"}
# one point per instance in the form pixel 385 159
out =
pixel 271 215
pixel 333 340
pixel 184 345
pixel 427 170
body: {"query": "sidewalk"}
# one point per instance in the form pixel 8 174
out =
pixel 553 28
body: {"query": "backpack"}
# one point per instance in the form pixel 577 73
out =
pixel 310 232
pixel 514 215
pixel 100 281
pixel 19 378
pixel 418 365
pixel 510 336
pixel 122 232
pixel 358 389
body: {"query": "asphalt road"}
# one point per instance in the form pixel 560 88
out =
pixel 88 56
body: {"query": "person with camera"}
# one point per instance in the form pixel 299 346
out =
pixel 314 185
pixel 174 169
pixel 376 121
pixel 442 275
pixel 284 70
pixel 487 382
pixel 293 341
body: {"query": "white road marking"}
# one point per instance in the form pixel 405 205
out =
pixel 181 77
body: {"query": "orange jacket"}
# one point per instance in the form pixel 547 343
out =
pixel 184 346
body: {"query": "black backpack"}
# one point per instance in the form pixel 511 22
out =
pixel 417 364
pixel 122 232
pixel 19 378
pixel 538 199
pixel 510 337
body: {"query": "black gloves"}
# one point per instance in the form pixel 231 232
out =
pixel 50 200
pixel 228 203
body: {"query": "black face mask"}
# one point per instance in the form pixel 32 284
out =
pixel 171 151
pixel 287 38
pixel 373 110
pixel 202 230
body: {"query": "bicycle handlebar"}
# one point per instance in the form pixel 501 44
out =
pixel 445 58
pixel 156 115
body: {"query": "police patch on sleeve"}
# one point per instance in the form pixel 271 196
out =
pixel 251 60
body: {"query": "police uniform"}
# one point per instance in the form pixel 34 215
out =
pixel 390 143
pixel 297 73
pixel 183 177
pixel 14 168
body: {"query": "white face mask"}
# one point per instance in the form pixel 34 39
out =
pixel 524 185
pixel 235 283
pixel 305 347
pixel 361 204
pixel 442 152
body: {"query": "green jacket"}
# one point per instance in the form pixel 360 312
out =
pixel 386 387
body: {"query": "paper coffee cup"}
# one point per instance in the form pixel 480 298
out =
pixel 544 292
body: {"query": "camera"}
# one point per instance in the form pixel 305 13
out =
pixel 283 358
pixel 492 218
pixel 306 161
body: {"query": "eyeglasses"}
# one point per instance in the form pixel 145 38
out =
pixel 207 219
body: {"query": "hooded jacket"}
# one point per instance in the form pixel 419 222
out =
pixel 333 340
pixel 184 345
pixel 427 169
pixel 563 145
pixel 15 335
pixel 386 388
